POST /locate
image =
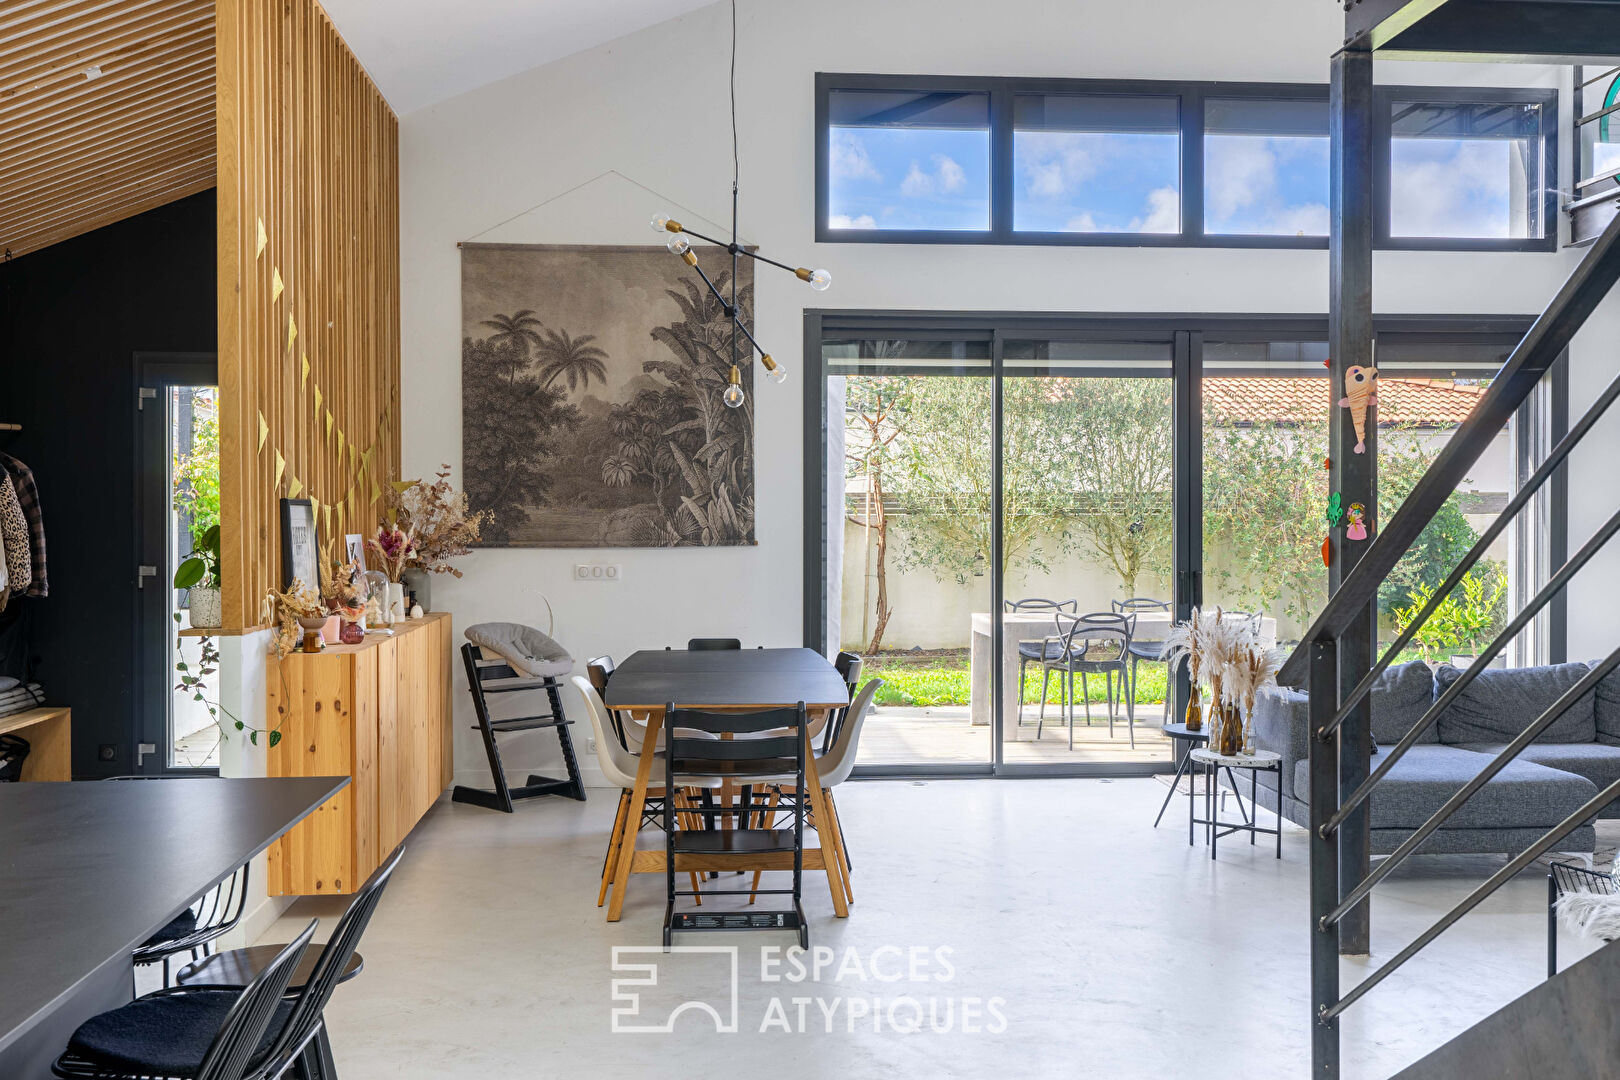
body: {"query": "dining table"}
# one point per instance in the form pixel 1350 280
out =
pixel 724 680
pixel 89 871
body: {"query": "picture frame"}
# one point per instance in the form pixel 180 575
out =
pixel 354 549
pixel 300 544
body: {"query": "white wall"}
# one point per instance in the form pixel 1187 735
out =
pixel 652 107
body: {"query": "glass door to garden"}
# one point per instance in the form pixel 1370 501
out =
pixel 910 535
pixel 179 495
pixel 1088 452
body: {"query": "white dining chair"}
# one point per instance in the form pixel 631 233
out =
pixel 619 767
pixel 834 768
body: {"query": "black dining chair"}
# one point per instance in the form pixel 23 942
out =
pixel 1033 652
pixel 712 644
pixel 849 667
pixel 201 1033
pixel 1094 644
pixel 770 754
pixel 193 932
pixel 1149 648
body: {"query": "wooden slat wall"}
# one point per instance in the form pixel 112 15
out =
pixel 78 149
pixel 309 151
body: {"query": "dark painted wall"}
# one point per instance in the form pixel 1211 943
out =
pixel 72 316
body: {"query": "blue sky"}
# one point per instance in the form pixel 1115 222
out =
pixel 920 178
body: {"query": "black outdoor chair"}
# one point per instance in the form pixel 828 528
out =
pixel 1033 652
pixel 1150 649
pixel 1095 644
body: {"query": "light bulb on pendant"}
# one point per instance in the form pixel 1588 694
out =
pixel 733 396
pixel 678 244
pixel 773 370
pixel 660 223
pixel 820 280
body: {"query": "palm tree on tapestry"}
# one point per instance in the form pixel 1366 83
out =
pixel 520 331
pixel 575 358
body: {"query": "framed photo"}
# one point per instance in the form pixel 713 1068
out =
pixel 300 545
pixel 354 549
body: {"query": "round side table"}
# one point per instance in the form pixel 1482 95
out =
pixel 1179 733
pixel 1213 763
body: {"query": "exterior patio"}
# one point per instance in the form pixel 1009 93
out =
pixel 942 734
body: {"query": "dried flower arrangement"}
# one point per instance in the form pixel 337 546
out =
pixel 298 602
pixel 436 518
pixel 1226 652
pixel 344 589
pixel 394 548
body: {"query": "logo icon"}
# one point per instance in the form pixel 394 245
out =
pixel 642 980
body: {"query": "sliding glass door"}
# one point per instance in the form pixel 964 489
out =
pixel 1087 548
pixel 909 514
pixel 1005 514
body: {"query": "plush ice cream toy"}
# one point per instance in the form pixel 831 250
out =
pixel 1360 390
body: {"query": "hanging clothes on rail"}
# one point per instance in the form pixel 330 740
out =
pixel 14 538
pixel 27 493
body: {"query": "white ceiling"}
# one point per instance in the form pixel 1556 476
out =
pixel 424 51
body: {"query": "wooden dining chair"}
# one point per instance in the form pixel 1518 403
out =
pixel 619 767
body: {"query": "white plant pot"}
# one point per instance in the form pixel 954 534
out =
pixel 204 605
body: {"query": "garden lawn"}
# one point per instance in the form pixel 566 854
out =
pixel 941 678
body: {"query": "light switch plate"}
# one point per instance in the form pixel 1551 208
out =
pixel 598 572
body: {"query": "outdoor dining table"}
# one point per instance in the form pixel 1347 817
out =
pixel 1020 626
pixel 730 680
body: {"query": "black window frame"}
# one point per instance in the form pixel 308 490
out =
pixel 1191 96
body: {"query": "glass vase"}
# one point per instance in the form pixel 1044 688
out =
pixel 1194 719
pixel 1230 738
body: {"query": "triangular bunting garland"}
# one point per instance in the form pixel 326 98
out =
pixel 303 377
pixel 264 430
pixel 328 425
pixel 317 399
pixel 292 331
pixel 281 467
pixel 275 283
pixel 263 240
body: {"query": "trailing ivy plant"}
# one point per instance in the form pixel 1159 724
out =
pixel 194 683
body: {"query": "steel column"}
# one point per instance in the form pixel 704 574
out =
pixel 1324 776
pixel 1354 476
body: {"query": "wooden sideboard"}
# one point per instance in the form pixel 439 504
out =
pixel 50 741
pixel 379 713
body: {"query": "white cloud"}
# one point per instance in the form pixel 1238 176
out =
pixel 1241 171
pixel 1163 213
pixel 1082 223
pixel 946 177
pixel 1244 187
pixel 849 159
pixel 844 221
pixel 1468 193
pixel 1056 163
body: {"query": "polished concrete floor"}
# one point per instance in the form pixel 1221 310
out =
pixel 1045 926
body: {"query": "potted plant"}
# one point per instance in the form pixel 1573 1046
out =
pixel 393 547
pixel 199 574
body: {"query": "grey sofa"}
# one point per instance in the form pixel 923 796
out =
pixel 1566 765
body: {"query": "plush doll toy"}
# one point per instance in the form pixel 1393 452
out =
pixel 1360 391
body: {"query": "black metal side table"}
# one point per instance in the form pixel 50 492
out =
pixel 1212 763
pixel 1180 733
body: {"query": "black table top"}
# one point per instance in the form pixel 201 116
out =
pixel 1180 731
pixel 725 678
pixel 88 871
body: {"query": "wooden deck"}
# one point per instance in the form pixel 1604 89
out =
pixel 942 735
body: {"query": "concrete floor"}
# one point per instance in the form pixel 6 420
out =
pixel 941 734
pixel 1113 949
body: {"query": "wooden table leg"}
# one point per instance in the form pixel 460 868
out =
pixel 818 805
pixel 638 803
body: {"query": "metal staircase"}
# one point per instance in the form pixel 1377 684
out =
pixel 1335 658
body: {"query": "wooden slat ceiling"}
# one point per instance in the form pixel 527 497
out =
pixel 106 110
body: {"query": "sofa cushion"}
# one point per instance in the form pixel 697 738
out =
pixel 1606 707
pixel 1595 761
pixel 1399 698
pixel 1522 795
pixel 1501 702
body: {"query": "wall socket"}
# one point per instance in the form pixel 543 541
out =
pixel 598 572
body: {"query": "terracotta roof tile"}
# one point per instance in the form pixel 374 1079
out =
pixel 1419 402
